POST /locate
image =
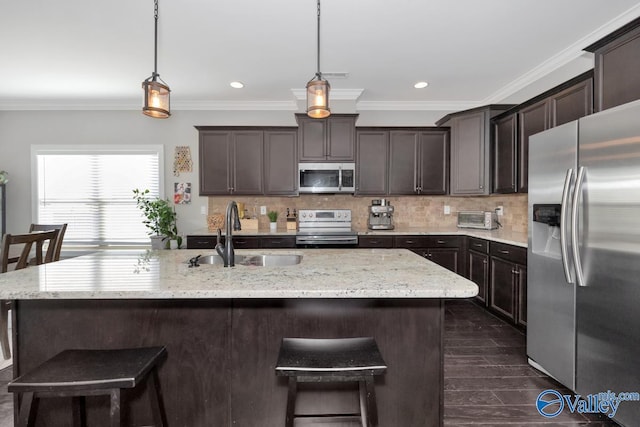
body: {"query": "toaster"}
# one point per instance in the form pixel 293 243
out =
pixel 485 220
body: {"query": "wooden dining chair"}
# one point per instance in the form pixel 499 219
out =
pixel 26 241
pixel 62 228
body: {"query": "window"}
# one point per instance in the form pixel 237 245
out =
pixel 91 189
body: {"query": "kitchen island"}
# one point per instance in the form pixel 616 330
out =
pixel 222 328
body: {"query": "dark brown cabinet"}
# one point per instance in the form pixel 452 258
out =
pixel 562 104
pixel 470 172
pixel 478 267
pixel 418 161
pixel 231 162
pixel 247 161
pixel 385 242
pixel 443 250
pixel 508 283
pixel 281 162
pixel 242 242
pixel 617 61
pixel 372 162
pixel 327 140
pixel 505 154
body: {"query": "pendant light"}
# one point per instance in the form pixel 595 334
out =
pixel 156 91
pixel 318 89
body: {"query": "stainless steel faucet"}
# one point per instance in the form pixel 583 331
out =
pixel 226 250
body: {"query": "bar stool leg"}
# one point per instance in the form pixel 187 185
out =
pixel 155 398
pixel 291 401
pixel 79 411
pixel 372 408
pixel 114 410
pixel 364 416
pixel 27 410
pixel 4 329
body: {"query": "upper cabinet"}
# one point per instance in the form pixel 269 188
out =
pixel 327 140
pixel 511 130
pixel 470 149
pixel 418 161
pixel 372 163
pixel 617 61
pixel 247 161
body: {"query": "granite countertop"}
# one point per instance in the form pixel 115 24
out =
pixel 323 273
pixel 499 235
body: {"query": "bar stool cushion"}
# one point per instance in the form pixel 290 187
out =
pixel 74 370
pixel 343 356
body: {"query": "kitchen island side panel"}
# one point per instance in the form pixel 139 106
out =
pixel 222 353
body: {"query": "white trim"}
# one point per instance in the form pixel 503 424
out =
pixel 351 368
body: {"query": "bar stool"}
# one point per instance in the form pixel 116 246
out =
pixel 332 360
pixel 81 373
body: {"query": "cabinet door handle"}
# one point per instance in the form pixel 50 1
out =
pixel 504 252
pixel 373 242
pixel 274 242
pixel 408 242
pixel 478 245
pixel 442 242
pixel 241 242
pixel 484 261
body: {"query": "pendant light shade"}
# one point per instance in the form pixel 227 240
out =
pixel 318 98
pixel 318 88
pixel 156 91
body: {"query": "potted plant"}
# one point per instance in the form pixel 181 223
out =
pixel 273 218
pixel 160 218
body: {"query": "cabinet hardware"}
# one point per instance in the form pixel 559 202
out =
pixel 504 252
pixel 441 242
pixel 408 242
pixel 478 245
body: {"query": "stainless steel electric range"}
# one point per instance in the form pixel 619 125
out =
pixel 324 228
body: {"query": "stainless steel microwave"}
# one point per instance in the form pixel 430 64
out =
pixel 327 177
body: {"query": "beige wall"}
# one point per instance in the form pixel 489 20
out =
pixel 411 211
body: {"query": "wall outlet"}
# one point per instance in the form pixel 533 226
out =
pixel 500 210
pixel 447 210
pixel 203 210
pixel 263 210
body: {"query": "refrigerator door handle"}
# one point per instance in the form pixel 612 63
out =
pixel 564 243
pixel 574 227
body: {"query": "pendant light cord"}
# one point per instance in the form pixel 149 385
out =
pixel 155 36
pixel 318 72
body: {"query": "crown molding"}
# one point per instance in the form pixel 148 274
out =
pixel 562 58
pixel 415 105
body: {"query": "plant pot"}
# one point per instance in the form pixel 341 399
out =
pixel 173 244
pixel 157 242
pixel 273 226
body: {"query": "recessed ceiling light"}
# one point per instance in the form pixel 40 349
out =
pixel 421 85
pixel 236 85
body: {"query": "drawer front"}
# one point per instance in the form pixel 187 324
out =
pixel 278 242
pixel 479 245
pixel 515 254
pixel 201 242
pixel 408 242
pixel 246 242
pixel 375 241
pixel 443 242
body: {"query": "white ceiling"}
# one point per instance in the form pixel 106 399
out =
pixel 89 54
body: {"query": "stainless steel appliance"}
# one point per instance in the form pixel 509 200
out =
pixel 327 177
pixel 325 228
pixel 380 215
pixel 485 220
pixel 584 254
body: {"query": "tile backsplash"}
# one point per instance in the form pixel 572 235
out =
pixel 410 211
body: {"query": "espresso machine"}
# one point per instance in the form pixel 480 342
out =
pixel 380 215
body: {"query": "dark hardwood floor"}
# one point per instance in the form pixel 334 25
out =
pixel 487 379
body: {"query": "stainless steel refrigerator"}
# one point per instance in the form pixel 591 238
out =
pixel 583 325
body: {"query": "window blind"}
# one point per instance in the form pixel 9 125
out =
pixel 93 193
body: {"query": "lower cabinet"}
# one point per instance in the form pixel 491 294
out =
pixel 508 282
pixel 443 250
pixel 243 242
pixel 478 267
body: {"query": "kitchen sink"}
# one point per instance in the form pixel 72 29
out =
pixel 270 260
